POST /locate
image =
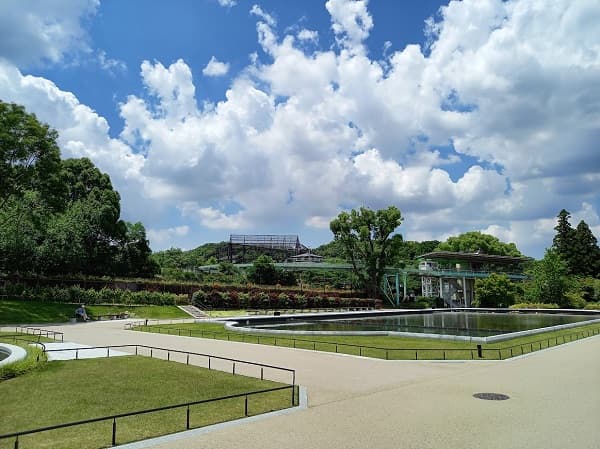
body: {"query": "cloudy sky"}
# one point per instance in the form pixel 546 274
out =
pixel 229 116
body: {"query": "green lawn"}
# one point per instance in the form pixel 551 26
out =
pixel 393 348
pixel 26 312
pixel 61 392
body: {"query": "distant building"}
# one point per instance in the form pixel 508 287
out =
pixel 451 275
pixel 307 257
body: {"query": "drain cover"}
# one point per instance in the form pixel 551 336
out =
pixel 491 396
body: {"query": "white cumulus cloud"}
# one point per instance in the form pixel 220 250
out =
pixel 215 68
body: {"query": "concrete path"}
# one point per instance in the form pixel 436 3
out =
pixel 364 403
pixel 72 351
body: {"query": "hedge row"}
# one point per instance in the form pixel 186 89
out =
pixel 76 294
pixel 169 287
pixel 264 299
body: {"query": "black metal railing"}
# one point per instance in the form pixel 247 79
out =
pixel 186 405
pixel 472 353
pixel 54 335
pixel 507 352
pixel 155 352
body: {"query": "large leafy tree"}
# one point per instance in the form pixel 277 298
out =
pixel 366 237
pixel 29 158
pixel 60 216
pixel 497 290
pixel 549 281
pixel 473 241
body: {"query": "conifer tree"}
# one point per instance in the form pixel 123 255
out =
pixel 585 252
pixel 564 239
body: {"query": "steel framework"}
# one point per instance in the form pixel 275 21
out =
pixel 277 246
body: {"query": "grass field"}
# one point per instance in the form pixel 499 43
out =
pixel 61 392
pixel 28 312
pixel 393 348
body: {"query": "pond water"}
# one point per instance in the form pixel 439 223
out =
pixel 474 324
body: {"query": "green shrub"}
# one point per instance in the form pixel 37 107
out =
pixel 592 306
pixel 20 367
pixel 533 305
pixel 244 299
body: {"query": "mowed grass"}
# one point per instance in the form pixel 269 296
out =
pixel 385 347
pixel 27 312
pixel 66 391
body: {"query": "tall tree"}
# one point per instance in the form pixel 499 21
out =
pixel 29 156
pixel 564 239
pixel 585 253
pixel 366 238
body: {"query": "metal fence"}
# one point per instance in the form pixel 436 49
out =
pixel 186 405
pixel 54 335
pixel 473 353
pixel 166 353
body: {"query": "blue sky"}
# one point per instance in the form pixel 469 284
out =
pixel 217 116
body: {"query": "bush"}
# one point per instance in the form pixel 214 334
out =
pixel 76 294
pixel 199 298
pixel 29 363
pixel 592 306
pixel 533 305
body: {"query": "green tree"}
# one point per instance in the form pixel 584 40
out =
pixel 585 253
pixel 497 290
pixel 366 238
pixel 263 271
pixel 23 223
pixel 474 241
pixel 549 281
pixel 29 157
pixel 135 252
pixel 564 239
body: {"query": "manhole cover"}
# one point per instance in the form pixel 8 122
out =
pixel 491 396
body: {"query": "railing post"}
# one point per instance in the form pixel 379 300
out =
pixel 360 350
pixel 387 354
pixel 187 422
pixel 187 360
pixel 136 350
pixel 209 362
pixel 77 354
pixel 17 442
pixel 168 356
pixel 233 369
pixel 246 406
pixel 114 432
pixel 150 352
pixel 262 377
pixel 107 352
pixel 479 351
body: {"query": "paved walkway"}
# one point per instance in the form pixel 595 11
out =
pixel 367 403
pixel 72 351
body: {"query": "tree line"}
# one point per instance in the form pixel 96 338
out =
pixel 60 216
